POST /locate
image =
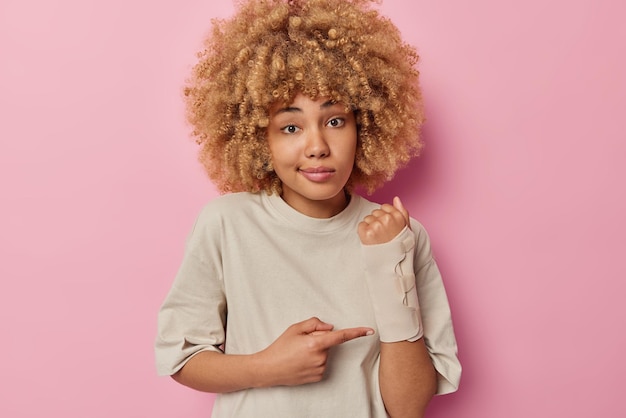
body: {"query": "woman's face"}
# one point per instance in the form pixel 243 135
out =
pixel 313 146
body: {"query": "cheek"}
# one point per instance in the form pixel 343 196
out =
pixel 282 155
pixel 350 148
pixel 274 149
pixel 349 151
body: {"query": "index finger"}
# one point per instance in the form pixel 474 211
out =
pixel 341 336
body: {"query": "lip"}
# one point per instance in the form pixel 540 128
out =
pixel 317 174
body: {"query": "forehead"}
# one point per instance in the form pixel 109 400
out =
pixel 303 103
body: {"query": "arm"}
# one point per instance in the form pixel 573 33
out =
pixel 297 357
pixel 407 376
pixel 211 371
pixel 408 379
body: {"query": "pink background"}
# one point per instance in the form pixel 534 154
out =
pixel 521 187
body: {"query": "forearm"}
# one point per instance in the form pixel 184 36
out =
pixel 408 379
pixel 298 356
pixel 210 371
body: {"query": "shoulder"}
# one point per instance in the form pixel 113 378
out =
pixel 223 210
pixel 228 205
pixel 363 205
pixel 232 201
pixel 419 230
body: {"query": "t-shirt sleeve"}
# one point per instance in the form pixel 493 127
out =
pixel 192 317
pixel 436 316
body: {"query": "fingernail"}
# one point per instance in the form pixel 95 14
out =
pixel 370 332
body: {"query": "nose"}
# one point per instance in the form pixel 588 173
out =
pixel 316 145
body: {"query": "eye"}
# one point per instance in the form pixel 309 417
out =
pixel 290 129
pixel 336 122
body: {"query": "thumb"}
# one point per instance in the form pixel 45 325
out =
pixel 311 325
pixel 397 203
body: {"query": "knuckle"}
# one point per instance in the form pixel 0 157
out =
pixel 399 216
pixel 314 344
pixel 379 226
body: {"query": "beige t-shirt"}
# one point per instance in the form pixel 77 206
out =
pixel 253 266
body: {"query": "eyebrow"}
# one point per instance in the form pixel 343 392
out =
pixel 293 109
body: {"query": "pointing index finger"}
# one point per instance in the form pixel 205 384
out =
pixel 341 336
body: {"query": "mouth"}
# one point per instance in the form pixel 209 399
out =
pixel 317 174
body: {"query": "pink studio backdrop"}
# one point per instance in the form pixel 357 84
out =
pixel 521 187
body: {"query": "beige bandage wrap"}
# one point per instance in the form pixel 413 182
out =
pixel 391 283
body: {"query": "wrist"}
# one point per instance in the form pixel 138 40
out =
pixel 260 371
pixel 391 283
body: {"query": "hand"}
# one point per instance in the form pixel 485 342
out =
pixel 300 354
pixel 383 224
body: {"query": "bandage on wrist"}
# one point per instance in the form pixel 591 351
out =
pixel 391 283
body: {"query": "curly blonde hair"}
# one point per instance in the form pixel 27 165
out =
pixel 272 50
